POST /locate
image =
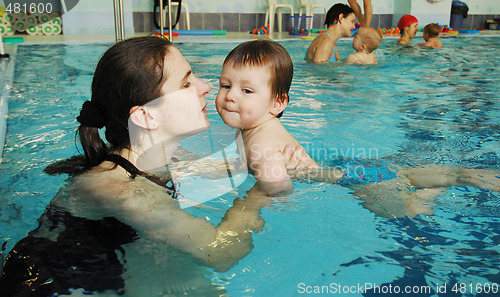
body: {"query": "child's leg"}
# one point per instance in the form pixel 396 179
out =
pixel 368 12
pixel 440 176
pixel 357 11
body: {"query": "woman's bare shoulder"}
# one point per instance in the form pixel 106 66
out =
pixel 402 41
pixel 100 193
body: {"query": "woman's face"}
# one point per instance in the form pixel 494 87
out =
pixel 412 30
pixel 180 76
pixel 182 106
pixel 347 24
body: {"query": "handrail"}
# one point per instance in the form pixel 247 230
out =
pixel 119 20
pixel 2 51
pixel 162 20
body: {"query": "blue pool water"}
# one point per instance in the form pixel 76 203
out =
pixel 416 107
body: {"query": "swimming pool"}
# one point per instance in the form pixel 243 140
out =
pixel 416 107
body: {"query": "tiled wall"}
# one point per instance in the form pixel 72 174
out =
pixel 476 21
pixel 236 22
pixel 96 16
pixel 244 22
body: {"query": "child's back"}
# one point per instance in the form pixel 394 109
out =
pixel 361 58
pixel 431 36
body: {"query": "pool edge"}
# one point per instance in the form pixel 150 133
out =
pixel 6 85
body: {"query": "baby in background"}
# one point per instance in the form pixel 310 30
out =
pixel 254 85
pixel 431 36
pixel 365 41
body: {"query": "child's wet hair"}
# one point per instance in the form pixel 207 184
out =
pixel 265 52
pixel 371 38
pixel 432 30
pixel 333 14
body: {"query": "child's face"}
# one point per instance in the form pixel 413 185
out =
pixel 357 41
pixel 245 99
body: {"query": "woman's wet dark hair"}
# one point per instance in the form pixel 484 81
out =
pixel 130 73
pixel 332 16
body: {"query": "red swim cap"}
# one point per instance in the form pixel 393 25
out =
pixel 406 20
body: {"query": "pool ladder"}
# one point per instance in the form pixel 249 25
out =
pixel 120 24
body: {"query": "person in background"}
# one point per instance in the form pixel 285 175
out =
pixel 340 22
pixel 431 36
pixel 367 6
pixel 408 25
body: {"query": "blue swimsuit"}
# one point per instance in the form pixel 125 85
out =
pixel 332 59
pixel 363 171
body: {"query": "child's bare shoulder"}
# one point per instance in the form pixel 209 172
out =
pixel 354 58
pixel 271 135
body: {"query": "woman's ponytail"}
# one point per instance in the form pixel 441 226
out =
pixel 91 119
pixel 93 146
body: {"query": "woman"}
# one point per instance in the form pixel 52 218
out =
pixel 408 25
pixel 106 229
pixel 340 22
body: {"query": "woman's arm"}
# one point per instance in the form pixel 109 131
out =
pixel 336 53
pixel 154 215
pixel 298 165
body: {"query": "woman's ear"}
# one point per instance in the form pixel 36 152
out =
pixel 341 18
pixel 142 117
pixel 279 105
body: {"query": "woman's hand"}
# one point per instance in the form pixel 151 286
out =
pixel 296 158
